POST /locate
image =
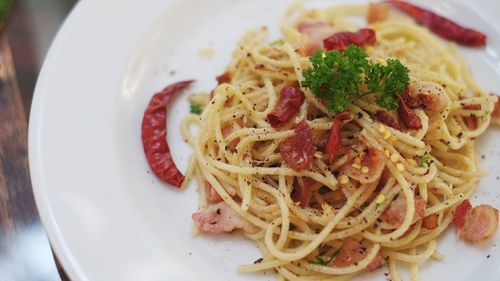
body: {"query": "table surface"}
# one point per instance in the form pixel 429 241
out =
pixel 25 253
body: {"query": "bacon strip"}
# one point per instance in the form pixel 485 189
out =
pixel 333 144
pixel 476 225
pixel 373 160
pixel 377 12
pixel 211 194
pixel 341 40
pixel 396 212
pixel 298 150
pixel 288 105
pixel 220 218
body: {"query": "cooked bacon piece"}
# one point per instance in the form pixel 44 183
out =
pixel 460 213
pixel 338 199
pixel 298 149
pixel 221 218
pixel 475 225
pixel 495 115
pixel 288 105
pixel 430 98
pixel 315 32
pixel 377 12
pixel 472 107
pixel 302 191
pixel 211 194
pixel 341 40
pixel 376 263
pixel 430 222
pixel 333 144
pixel 396 212
pixel 223 78
pixel 226 131
pixel 471 121
pixel 352 251
pixel 373 160
pixel 386 119
pixel 409 118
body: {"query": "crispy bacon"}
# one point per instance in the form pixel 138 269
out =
pixel 475 225
pixel 386 119
pixel 396 212
pixel 333 144
pixel 430 98
pixel 223 78
pixel 288 105
pixel 377 12
pixel 298 149
pixel 430 222
pixel 315 32
pixel 211 194
pixel 226 131
pixel 341 40
pixel 220 218
pixel 352 251
pixel 409 118
pixel 460 213
pixel 495 115
pixel 302 191
pixel 373 160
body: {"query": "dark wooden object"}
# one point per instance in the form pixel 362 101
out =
pixel 23 241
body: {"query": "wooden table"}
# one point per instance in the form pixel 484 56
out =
pixel 25 252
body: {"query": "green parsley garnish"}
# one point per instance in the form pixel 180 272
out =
pixel 5 8
pixel 338 77
pixel 424 161
pixel 278 42
pixel 325 261
pixel 196 108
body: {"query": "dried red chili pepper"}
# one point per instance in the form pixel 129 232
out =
pixel 298 150
pixel 341 40
pixel 302 191
pixel 409 118
pixel 154 135
pixel 472 107
pixel 386 119
pixel 288 105
pixel 442 26
pixel 333 144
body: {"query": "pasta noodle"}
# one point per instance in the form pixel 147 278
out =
pixel 236 152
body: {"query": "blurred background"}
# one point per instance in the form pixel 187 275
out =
pixel 25 36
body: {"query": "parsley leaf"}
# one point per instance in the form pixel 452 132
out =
pixel 196 108
pixel 325 261
pixel 424 161
pixel 338 77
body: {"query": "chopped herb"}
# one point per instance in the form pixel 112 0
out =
pixel 278 42
pixel 424 161
pixel 338 77
pixel 325 261
pixel 196 108
pixel 377 205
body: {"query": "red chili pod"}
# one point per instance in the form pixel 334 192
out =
pixel 333 144
pixel 288 105
pixel 341 40
pixel 442 26
pixel 409 118
pixel 154 135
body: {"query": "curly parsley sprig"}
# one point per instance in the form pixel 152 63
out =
pixel 338 77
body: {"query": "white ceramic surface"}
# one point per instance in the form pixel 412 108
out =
pixel 107 216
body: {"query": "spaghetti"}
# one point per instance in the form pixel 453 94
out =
pixel 390 192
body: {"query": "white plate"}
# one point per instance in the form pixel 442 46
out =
pixel 106 215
